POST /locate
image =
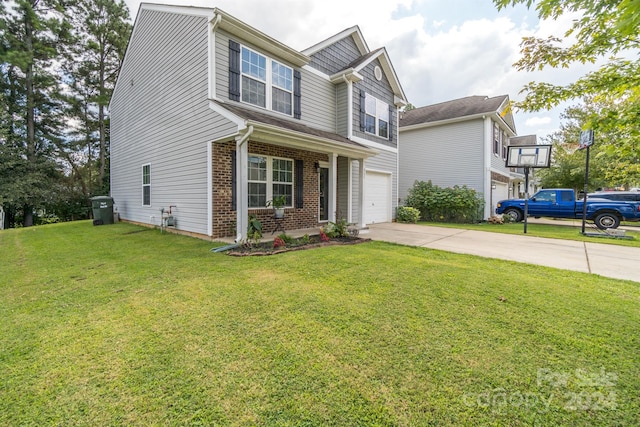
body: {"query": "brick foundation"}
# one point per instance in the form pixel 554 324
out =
pixel 224 217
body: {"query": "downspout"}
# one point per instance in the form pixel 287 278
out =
pixel 349 106
pixel 242 184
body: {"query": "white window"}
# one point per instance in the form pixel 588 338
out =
pixel 282 89
pixel 146 185
pixel 269 177
pixel 266 83
pixel 376 119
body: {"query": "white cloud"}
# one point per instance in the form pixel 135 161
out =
pixel 537 121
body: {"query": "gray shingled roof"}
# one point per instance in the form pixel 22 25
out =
pixel 363 58
pixel 292 125
pixel 469 106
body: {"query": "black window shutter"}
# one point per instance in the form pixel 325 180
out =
pixel 299 190
pixel 362 109
pixel 391 116
pixel 234 191
pixel 297 106
pixel 234 70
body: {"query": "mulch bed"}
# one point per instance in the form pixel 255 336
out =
pixel 266 248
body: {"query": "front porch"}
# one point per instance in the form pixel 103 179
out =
pixel 320 187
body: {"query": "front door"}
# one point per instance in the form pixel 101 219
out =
pixel 324 194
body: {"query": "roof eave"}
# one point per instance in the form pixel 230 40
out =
pixel 275 134
pixel 259 39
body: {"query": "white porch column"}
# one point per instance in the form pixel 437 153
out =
pixel 242 185
pixel 333 186
pixel 361 195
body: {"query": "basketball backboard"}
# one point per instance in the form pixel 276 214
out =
pixel 528 156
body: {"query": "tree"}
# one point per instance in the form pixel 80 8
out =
pixel 101 33
pixel 607 31
pixel 606 168
pixel 32 37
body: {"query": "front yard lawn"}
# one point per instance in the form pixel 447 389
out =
pixel 122 325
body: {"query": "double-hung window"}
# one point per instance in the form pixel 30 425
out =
pixel 376 119
pixel 269 177
pixel 496 139
pixel 282 88
pixel 266 83
pixel 254 78
pixel 146 185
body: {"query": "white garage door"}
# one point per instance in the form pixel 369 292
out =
pixel 377 198
pixel 501 192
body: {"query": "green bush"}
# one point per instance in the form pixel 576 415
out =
pixel 407 214
pixel 457 204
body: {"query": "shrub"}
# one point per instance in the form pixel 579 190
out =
pixel 278 242
pixel 285 238
pixel 407 214
pixel 337 229
pixel 457 204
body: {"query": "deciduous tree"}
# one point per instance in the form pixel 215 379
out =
pixel 606 31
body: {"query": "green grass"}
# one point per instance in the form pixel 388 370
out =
pixel 547 230
pixel 121 325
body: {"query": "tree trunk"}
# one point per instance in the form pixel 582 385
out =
pixel 27 218
pixel 101 119
pixel 31 120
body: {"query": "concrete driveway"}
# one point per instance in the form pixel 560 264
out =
pixel 618 262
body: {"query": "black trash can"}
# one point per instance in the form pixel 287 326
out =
pixel 102 207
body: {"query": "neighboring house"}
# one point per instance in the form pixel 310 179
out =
pixel 459 142
pixel 214 118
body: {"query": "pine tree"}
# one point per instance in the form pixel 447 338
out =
pixel 34 32
pixel 101 31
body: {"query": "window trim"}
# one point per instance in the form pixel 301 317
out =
pixel 270 182
pixel 496 139
pixel 268 82
pixel 147 185
pixel 382 109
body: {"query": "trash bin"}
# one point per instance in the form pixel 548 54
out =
pixel 102 207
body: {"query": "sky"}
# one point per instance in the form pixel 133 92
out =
pixel 440 49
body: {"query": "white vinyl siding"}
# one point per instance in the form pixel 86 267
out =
pixel 160 115
pixel 447 155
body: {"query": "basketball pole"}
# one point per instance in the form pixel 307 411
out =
pixel 526 197
pixel 586 188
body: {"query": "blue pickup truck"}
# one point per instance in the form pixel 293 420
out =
pixel 562 203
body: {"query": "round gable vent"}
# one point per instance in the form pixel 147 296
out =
pixel 378 73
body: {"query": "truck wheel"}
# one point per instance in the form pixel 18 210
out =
pixel 607 220
pixel 515 214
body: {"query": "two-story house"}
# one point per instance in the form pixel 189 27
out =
pixel 214 118
pixel 459 142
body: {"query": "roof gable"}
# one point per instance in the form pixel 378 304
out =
pixel 387 68
pixel 353 32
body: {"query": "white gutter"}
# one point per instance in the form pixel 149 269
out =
pixel 349 106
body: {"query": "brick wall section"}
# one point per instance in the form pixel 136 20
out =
pixel 498 177
pixel 224 218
